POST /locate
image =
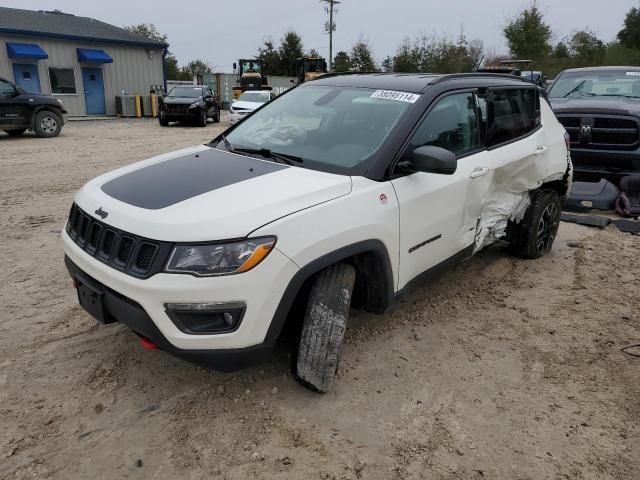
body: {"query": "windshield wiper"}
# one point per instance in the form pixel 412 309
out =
pixel 266 153
pixel 618 95
pixel 227 145
pixel 575 89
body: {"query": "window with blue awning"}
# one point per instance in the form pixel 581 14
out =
pixel 26 50
pixel 94 56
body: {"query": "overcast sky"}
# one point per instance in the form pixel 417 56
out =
pixel 221 31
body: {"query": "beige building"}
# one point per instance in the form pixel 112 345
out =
pixel 82 61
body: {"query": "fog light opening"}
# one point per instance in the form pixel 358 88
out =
pixel 206 318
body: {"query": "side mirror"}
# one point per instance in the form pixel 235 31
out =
pixel 433 160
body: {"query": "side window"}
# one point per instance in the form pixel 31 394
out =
pixel 509 114
pixel 6 89
pixel 451 124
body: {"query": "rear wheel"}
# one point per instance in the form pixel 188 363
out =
pixel 534 236
pixel 324 326
pixel 16 132
pixel 47 124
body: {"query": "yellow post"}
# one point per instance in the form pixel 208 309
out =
pixel 138 106
pixel 154 105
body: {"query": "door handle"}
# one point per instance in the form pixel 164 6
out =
pixel 479 172
pixel 540 150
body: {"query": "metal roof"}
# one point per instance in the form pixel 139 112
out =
pixel 56 24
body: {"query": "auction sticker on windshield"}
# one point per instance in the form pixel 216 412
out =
pixel 398 96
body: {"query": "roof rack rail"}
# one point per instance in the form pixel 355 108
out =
pixel 455 76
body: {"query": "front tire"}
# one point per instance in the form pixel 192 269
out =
pixel 324 326
pixel 203 118
pixel 47 124
pixel 16 132
pixel 162 119
pixel 216 117
pixel 533 237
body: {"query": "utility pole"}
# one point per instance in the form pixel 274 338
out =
pixel 330 27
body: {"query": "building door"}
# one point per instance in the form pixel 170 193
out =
pixel 94 91
pixel 26 75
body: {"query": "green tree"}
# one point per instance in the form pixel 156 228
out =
pixel 193 68
pixel 147 30
pixel 362 57
pixel 271 62
pixel 291 48
pixel 313 53
pixel 438 55
pixel 561 51
pixel 629 36
pixel 173 70
pixel 387 64
pixel 342 62
pixel 586 47
pixel 528 35
pixel 408 57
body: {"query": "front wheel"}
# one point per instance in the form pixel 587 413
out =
pixel 47 124
pixel 324 325
pixel 533 237
pixel 203 118
pixel 162 119
pixel 216 116
pixel 16 132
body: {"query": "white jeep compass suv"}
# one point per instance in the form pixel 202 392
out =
pixel 338 193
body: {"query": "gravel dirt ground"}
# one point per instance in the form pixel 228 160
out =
pixel 499 369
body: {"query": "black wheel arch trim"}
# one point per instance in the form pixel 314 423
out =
pixel 305 273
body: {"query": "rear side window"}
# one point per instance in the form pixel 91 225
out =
pixel 451 124
pixel 509 114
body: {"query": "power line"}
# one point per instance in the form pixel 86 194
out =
pixel 330 27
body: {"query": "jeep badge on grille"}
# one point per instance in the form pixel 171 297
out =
pixel 101 213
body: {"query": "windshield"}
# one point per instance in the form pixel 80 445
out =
pixel 257 97
pixel 250 67
pixel 597 83
pixel 313 66
pixel 189 92
pixel 333 126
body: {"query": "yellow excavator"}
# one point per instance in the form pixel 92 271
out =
pixel 250 76
pixel 310 68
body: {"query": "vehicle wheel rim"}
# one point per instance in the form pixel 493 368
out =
pixel 547 228
pixel 48 125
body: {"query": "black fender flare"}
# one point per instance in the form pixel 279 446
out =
pixel 40 108
pixel 305 273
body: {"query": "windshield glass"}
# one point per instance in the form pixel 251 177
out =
pixel 249 66
pixel 597 83
pixel 334 126
pixel 257 97
pixel 189 92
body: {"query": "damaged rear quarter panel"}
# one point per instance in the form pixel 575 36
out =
pixel 519 168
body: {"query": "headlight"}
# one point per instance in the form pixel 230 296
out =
pixel 221 258
pixel 195 104
pixel 231 110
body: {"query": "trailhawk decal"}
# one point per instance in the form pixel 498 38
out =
pixel 397 96
pixel 166 183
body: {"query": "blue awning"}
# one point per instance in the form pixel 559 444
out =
pixel 95 56
pixel 25 50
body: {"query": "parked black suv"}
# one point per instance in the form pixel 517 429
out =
pixel 189 103
pixel 21 111
pixel 600 108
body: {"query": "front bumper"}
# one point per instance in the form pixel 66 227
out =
pixel 259 289
pixel 186 115
pixel 589 163
pixel 236 117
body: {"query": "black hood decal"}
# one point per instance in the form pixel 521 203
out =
pixel 166 183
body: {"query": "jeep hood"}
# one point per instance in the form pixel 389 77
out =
pixel 180 100
pixel 203 194
pixel 597 105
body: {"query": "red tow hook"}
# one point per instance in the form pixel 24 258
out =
pixel 147 344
